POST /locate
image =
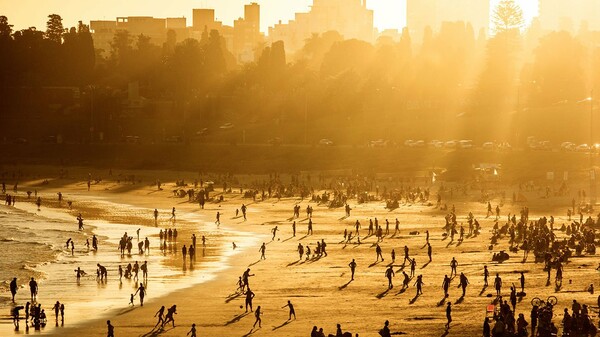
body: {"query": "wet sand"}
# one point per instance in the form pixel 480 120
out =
pixel 320 289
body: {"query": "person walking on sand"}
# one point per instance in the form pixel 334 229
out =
pixel 429 251
pixel 245 277
pixel 262 251
pixel 110 329
pixel 33 288
pixel 453 265
pixel 218 221
pixel 56 309
pixel 192 331
pixel 405 283
pixel 160 314
pixel 486 274
pixel 498 284
pixel 13 288
pixel 448 315
pixel 173 214
pixel 294 229
pixel 169 316
pixel 389 273
pixel 244 208
pixel 352 266
pixel 419 283
pixel 522 279
pixel 155 216
pixel 142 291
pixel 446 285
pixel 274 231
pixel 292 311
pixel 378 251
pixel 249 297
pixel 406 257
pixel 257 315
pixel 464 282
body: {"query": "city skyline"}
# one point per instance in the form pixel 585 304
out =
pixel 388 14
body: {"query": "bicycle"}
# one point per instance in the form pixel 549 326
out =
pixel 538 302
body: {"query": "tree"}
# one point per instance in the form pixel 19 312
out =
pixel 558 71
pixel 507 16
pixel 121 46
pixel 54 28
pixel 5 28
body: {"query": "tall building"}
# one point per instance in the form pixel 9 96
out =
pixel 432 13
pixel 350 18
pixel 569 15
pixel 246 33
pixel 204 18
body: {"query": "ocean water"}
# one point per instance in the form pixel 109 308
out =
pixel 32 244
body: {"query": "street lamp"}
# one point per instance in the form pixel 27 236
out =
pixel 591 149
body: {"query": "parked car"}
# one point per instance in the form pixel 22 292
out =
pixel 583 148
pixel 451 144
pixel 436 144
pixel 325 142
pixel 488 146
pixel 275 141
pixel 465 144
pixel 568 146
pixel 378 143
pixel 419 143
pixel 173 139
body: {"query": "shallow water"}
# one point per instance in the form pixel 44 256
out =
pixel 32 243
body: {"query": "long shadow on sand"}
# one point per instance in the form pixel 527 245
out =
pixel 236 319
pixel 282 325
pixel 414 299
pixel 482 290
pixel 232 297
pixel 344 286
pixel 374 264
pixel 402 291
pixel 382 295
pixel 155 333
pixel 293 263
pixel 250 332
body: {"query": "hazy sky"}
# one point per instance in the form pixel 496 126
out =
pixel 26 13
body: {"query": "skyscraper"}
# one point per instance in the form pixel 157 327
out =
pixel 432 13
pixel 246 33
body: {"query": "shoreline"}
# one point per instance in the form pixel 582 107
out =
pixel 319 287
pixel 203 270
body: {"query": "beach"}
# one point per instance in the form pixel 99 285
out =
pixel 319 288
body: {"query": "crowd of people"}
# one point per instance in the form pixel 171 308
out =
pixel 547 243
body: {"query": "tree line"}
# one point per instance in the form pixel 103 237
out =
pixel 456 83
